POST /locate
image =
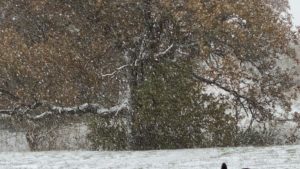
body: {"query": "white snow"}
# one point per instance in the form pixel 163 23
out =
pixel 278 157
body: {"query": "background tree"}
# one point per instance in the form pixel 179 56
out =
pixel 199 61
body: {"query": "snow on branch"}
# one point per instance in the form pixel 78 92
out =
pixel 57 110
pixel 165 51
pixel 5 113
pixel 84 108
pixel 114 72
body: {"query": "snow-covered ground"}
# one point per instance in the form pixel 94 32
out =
pixel 279 157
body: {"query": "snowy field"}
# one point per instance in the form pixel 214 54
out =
pixel 279 157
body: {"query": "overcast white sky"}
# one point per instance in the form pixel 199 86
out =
pixel 295 9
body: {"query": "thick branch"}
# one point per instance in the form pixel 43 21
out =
pixel 56 110
pixel 6 112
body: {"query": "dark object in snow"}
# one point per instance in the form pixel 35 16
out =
pixel 224 166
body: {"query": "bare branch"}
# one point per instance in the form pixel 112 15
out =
pixel 239 96
pixel 211 82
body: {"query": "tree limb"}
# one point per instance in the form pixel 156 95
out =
pixel 165 51
pixel 114 72
pixel 85 108
pixel 233 92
